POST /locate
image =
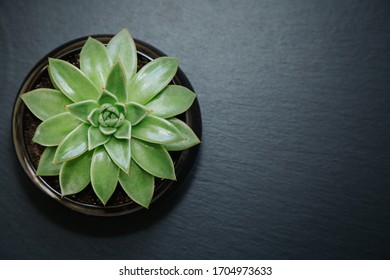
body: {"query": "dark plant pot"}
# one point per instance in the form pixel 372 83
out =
pixel 24 124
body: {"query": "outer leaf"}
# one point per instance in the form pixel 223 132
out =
pixel 71 81
pixel 116 82
pixel 107 97
pixel 75 144
pixel 173 100
pixel 190 137
pixel 135 113
pixel 75 174
pixel 122 47
pixel 151 79
pixel 156 130
pixel 45 103
pixel 153 158
pixel 104 174
pixel 96 138
pixel 82 109
pixel 53 130
pixel 119 151
pixel 94 62
pixel 46 166
pixel 138 185
pixel 124 131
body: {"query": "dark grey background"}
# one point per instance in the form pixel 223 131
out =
pixel 295 157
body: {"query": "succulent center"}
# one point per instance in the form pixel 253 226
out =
pixel 110 116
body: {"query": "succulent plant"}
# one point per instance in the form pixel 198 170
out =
pixel 107 123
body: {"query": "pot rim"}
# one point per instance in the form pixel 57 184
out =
pixel 182 166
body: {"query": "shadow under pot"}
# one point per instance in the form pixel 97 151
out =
pixel 29 153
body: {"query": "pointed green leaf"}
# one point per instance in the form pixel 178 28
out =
pixel 119 151
pixel 107 130
pixel 46 166
pixel 121 107
pixel 45 103
pixel 104 174
pixel 135 113
pixel 156 130
pixel 113 110
pixel 96 138
pixel 107 98
pixel 111 122
pixel 53 130
pixel 151 79
pixel 124 131
pixel 122 47
pixel 102 123
pixel 82 109
pixel 71 81
pixel 190 137
pixel 116 82
pixel 138 185
pixel 75 174
pixel 172 101
pixel 153 158
pixel 94 62
pixel 75 144
pixel 120 120
pixel 93 117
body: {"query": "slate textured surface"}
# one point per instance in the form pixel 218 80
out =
pixel 295 99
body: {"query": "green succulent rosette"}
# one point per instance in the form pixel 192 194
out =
pixel 107 123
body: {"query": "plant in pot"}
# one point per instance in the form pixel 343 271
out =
pixel 106 126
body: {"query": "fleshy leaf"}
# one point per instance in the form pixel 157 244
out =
pixel 53 130
pixel 114 110
pixel 121 107
pixel 94 62
pixel 151 79
pixel 46 166
pixel 75 144
pixel 120 120
pixel 107 130
pixel 172 101
pixel 45 103
pixel 119 151
pixel 104 174
pixel 190 137
pixel 153 158
pixel 107 97
pixel 82 109
pixel 138 185
pixel 71 81
pixel 101 121
pixel 135 113
pixel 156 130
pixel 124 131
pixel 122 47
pixel 96 138
pixel 75 174
pixel 111 122
pixel 93 117
pixel 116 82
